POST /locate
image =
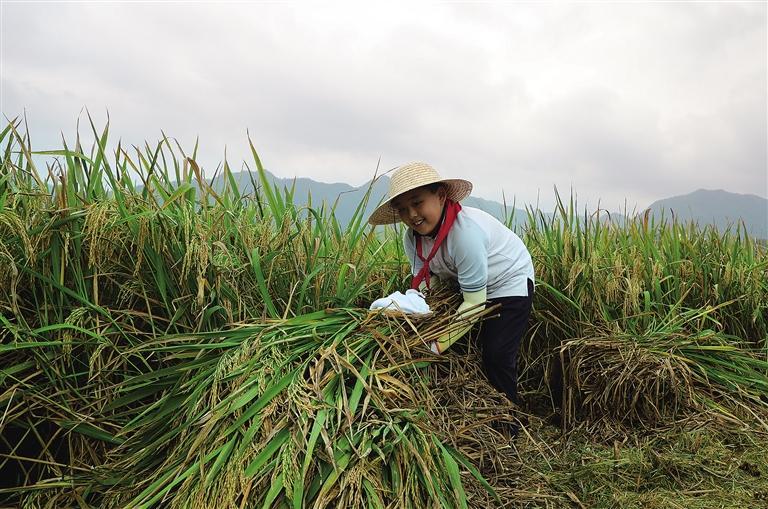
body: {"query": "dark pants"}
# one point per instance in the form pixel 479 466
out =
pixel 499 341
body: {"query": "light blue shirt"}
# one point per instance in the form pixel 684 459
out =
pixel 479 252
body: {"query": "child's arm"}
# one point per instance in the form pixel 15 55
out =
pixel 474 302
pixel 469 251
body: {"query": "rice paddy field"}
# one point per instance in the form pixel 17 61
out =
pixel 168 344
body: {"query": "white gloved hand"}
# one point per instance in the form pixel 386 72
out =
pixel 410 302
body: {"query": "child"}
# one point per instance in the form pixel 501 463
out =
pixel 487 259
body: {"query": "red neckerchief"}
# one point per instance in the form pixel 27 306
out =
pixel 451 209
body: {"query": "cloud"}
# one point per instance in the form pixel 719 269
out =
pixel 636 101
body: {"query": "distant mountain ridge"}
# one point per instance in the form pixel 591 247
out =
pixel 716 207
pixel 347 197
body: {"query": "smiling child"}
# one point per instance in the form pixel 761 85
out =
pixel 488 260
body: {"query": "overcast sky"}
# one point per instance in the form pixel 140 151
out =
pixel 635 101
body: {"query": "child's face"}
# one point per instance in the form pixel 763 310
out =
pixel 421 209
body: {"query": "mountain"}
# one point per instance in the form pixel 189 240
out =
pixel 720 208
pixel 717 207
pixel 347 197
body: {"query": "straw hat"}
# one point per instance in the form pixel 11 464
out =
pixel 411 176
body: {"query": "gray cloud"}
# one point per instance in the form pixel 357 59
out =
pixel 635 101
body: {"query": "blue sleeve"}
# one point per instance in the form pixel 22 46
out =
pixel 409 244
pixel 469 250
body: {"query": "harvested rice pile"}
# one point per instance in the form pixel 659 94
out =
pixel 330 409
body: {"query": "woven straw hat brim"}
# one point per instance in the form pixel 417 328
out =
pixel 409 177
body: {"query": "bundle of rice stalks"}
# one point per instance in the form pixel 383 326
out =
pixel 653 379
pixel 623 381
pixel 329 409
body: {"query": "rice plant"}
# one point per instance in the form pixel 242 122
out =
pixel 168 342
